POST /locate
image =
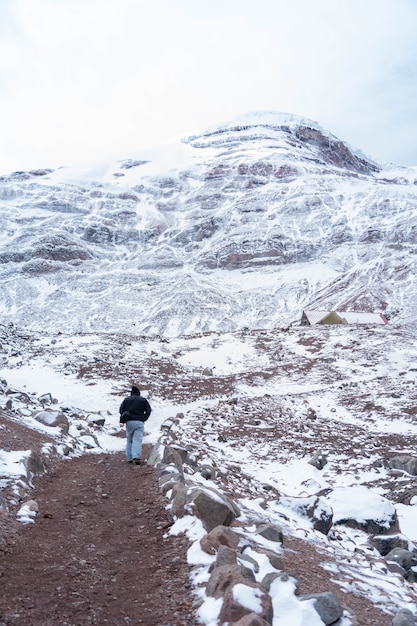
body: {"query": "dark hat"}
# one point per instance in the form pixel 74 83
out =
pixel 135 390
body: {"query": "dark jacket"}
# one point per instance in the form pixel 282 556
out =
pixel 137 407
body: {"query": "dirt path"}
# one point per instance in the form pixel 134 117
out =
pixel 97 552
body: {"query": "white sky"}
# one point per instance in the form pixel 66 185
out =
pixel 80 79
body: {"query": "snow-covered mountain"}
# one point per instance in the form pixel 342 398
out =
pixel 242 225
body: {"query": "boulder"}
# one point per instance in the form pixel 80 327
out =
pixel 155 455
pixel 45 398
pixel 172 456
pixel 34 466
pixel 405 463
pixel 404 618
pixel 385 543
pixel 360 507
pixel 97 421
pixel 220 535
pixel 183 452
pixel 318 461
pixel 53 418
pixel 272 532
pixel 89 440
pixel 225 556
pixel 241 600
pixel 270 578
pixel 226 576
pixel 316 509
pixel 179 500
pixel 403 557
pixel 212 507
pixel 248 561
pixel 327 606
pixel 207 471
pixel 275 559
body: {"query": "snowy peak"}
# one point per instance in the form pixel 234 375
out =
pixel 244 225
pixel 284 131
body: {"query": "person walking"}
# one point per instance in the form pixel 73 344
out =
pixel 134 411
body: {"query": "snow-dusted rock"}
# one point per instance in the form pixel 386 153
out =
pixel 212 507
pixel 318 460
pixel 172 456
pixel 34 465
pixel 53 418
pixel 406 560
pixel 360 507
pixel 327 606
pixel 28 511
pixel 404 618
pixel 242 599
pixel 272 532
pixel 385 543
pixel 314 508
pixel 226 576
pixel 406 463
pixel 219 536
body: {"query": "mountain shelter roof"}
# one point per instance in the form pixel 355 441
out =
pixel 342 317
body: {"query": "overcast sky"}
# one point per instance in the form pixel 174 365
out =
pixel 80 79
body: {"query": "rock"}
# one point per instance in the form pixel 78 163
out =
pixel 34 465
pixel 252 619
pixel 179 500
pixel 169 474
pixel 155 455
pixel 405 463
pixel 406 496
pixel 53 418
pixel 404 558
pixel 183 452
pixel 272 532
pixel 268 579
pixel 213 508
pixel 242 599
pixel 97 421
pixel 393 567
pixel 226 576
pixel 312 507
pixel 348 509
pixel 172 456
pixel 169 481
pixel 318 461
pixel 327 606
pixel 248 561
pixel 220 535
pixel 27 511
pixel 46 398
pixel 89 440
pixel 207 472
pixel 275 559
pixel 386 543
pixel 404 618
pixel 225 556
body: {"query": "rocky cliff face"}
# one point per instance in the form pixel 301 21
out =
pixel 243 225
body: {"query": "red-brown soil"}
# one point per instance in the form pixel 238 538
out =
pixel 98 551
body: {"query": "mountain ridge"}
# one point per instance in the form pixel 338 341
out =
pixel 244 225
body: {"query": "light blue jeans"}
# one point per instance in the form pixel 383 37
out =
pixel 134 436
